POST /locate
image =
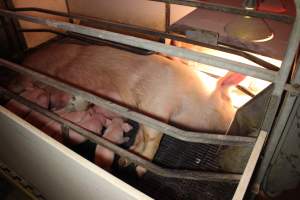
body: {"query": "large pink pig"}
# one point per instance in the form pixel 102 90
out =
pixel 153 84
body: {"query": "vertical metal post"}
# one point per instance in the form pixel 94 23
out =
pixel 18 42
pixel 68 10
pixel 289 105
pixel 167 17
pixel 247 174
pixel 280 81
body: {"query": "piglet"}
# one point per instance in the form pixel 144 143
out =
pixel 31 93
pixel 114 132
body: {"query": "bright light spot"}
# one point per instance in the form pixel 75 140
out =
pixel 209 81
pixel 251 84
pixel 270 37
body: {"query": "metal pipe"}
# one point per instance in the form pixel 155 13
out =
pixel 151 45
pixel 91 40
pixel 253 58
pixel 169 173
pixel 172 131
pixel 249 169
pixel 167 17
pixel 289 57
pixel 221 45
pixel 284 72
pixel 230 9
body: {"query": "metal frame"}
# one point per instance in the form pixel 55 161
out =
pixel 103 23
pixel 172 131
pixel 229 9
pixel 169 173
pixel 242 68
pixel 278 78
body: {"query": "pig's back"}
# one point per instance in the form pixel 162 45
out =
pixel 153 84
pixel 102 68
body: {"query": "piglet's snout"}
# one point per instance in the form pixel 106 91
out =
pixel 115 130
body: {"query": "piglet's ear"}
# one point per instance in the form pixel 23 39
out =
pixel 230 79
pixel 126 127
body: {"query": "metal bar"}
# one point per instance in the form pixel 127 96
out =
pixel 195 34
pixel 284 72
pixel 296 80
pixel 230 9
pixel 243 184
pixel 170 173
pixel 15 25
pixel 68 10
pixel 16 40
pixel 289 57
pixel 241 88
pixel 172 131
pixel 42 30
pixel 92 40
pixel 229 48
pixel 292 88
pixel 253 58
pixel 151 45
pixel 167 17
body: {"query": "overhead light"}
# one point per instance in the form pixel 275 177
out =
pixel 248 28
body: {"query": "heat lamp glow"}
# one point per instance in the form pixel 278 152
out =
pixel 253 85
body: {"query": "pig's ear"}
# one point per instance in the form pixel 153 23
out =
pixel 107 122
pixel 126 127
pixel 230 79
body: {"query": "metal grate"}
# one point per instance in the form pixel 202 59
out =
pixel 177 154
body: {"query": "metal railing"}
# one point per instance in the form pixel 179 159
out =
pixel 279 78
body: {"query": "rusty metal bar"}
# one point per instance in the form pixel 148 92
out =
pixel 242 68
pixel 170 173
pixel 230 9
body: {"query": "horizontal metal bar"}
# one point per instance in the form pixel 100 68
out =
pixel 145 52
pixel 230 9
pixel 293 89
pixel 242 68
pixel 169 173
pixel 222 46
pixel 241 88
pixel 92 40
pixel 127 113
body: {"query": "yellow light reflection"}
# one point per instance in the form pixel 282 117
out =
pixel 270 37
pixel 251 84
